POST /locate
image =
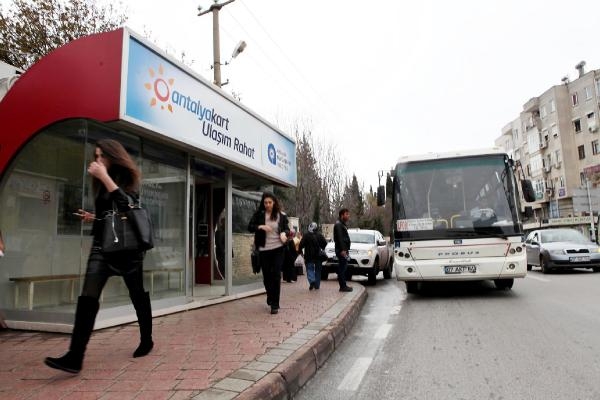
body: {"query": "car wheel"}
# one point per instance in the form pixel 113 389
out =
pixel 324 273
pixel 504 284
pixel 529 267
pixel 411 287
pixel 387 273
pixel 544 266
pixel 596 269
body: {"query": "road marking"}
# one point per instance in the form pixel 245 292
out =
pixel 383 331
pixel 395 310
pixel 356 374
pixel 537 278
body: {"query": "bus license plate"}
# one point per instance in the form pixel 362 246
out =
pixel 579 259
pixel 460 269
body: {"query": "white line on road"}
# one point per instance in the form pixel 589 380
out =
pixel 537 278
pixel 356 374
pixel 383 331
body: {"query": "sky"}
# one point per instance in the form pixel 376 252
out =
pixel 380 80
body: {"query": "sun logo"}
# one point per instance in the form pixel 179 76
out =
pixel 161 88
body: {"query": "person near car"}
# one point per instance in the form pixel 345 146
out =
pixel 310 246
pixel 342 247
pixel 270 227
pixel 289 259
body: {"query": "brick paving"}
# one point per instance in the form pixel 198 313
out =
pixel 211 352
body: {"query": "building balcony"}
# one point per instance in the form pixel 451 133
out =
pixel 532 105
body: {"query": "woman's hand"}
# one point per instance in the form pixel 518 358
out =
pixel 97 170
pixel 85 215
pixel 265 228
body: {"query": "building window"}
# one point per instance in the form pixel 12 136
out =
pixel 561 180
pixel 588 92
pixel 574 99
pixel 552 106
pixel 582 178
pixel 595 147
pixel 581 152
pixel 543 112
pixel 598 88
pixel 557 156
pixel 577 125
pixel 554 130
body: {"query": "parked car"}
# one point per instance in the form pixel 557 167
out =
pixel 369 254
pixel 552 249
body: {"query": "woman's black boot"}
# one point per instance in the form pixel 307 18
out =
pixel 143 310
pixel 85 316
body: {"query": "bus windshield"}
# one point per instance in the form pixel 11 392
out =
pixel 455 198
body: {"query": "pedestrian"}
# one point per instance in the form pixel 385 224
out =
pixel 115 182
pixel 270 227
pixel 289 259
pixel 342 247
pixel 311 245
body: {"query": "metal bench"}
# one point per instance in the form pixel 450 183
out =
pixel 32 280
pixel 72 278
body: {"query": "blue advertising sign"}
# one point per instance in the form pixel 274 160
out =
pixel 165 98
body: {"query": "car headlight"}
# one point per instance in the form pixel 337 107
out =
pixel 556 252
pixel 596 250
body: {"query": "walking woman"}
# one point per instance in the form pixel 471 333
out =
pixel 270 227
pixel 116 181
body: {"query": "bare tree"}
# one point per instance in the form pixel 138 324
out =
pixel 31 29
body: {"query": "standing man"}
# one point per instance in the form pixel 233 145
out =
pixel 342 247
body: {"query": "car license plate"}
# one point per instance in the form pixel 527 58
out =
pixel 460 269
pixel 579 259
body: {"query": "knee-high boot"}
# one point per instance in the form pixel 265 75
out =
pixel 85 316
pixel 143 310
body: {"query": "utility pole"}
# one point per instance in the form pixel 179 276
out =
pixel 215 8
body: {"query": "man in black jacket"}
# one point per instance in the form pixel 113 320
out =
pixel 342 247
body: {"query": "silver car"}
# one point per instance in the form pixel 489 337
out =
pixel 552 249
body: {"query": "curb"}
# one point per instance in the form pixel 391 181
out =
pixel 288 377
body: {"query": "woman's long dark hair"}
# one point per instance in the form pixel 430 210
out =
pixel 276 207
pixel 122 169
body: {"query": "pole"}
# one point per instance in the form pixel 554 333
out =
pixel 593 231
pixel 216 40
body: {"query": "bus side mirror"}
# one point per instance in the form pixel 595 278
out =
pixel 528 212
pixel 527 189
pixel 380 195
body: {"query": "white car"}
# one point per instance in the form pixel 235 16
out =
pixel 369 254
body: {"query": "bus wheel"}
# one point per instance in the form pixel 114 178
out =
pixel 411 287
pixel 504 284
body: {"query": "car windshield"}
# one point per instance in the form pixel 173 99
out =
pixel 563 235
pixel 356 237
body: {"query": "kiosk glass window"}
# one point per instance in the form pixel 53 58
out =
pixel 39 192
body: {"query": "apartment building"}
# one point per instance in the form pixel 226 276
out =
pixel 556 141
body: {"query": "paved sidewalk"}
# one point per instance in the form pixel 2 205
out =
pixel 230 350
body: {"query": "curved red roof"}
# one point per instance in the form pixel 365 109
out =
pixel 81 79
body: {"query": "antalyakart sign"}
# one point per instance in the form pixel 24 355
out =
pixel 162 97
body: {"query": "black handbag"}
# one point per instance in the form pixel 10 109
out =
pixel 322 255
pixel 254 260
pixel 129 230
